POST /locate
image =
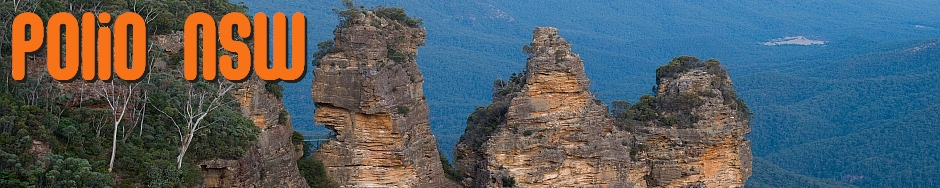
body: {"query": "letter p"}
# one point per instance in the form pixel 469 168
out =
pixel 21 46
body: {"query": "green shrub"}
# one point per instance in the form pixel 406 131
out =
pixel 403 110
pixel 396 55
pixel 275 89
pixel 296 138
pixel 636 149
pixel 509 181
pixel 527 49
pixel 618 106
pixel 643 110
pixel 688 100
pixel 313 170
pixel 283 117
pixel 396 13
pixel 229 138
pixel 668 120
pixel 324 48
pixel 449 171
pixel 677 65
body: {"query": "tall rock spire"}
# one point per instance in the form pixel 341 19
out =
pixel 368 90
pixel 554 133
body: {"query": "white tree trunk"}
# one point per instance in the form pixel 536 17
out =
pixel 118 103
pixel 183 147
pixel 194 110
pixel 113 146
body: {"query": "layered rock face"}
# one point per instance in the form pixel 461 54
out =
pixel 272 162
pixel 554 134
pixel 368 90
pixel 712 151
pixel 546 129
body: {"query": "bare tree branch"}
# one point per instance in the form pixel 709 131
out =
pixel 200 101
pixel 118 99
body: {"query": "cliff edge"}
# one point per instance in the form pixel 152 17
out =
pixel 272 161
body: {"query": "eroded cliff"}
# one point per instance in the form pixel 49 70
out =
pixel 272 161
pixel 546 129
pixel 368 90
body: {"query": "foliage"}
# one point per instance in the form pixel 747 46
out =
pixel 392 13
pixel 449 171
pixel 228 138
pixel 636 149
pixel 618 106
pixel 674 108
pixel 686 63
pixel 403 110
pixel 296 138
pixel 314 172
pixel 768 175
pixel 346 16
pixel 283 117
pixel 52 171
pixel 503 90
pixel 637 114
pixel 37 111
pixel 323 48
pixel 508 181
pixel 396 55
pixel 396 13
pixel 275 89
pixel 486 120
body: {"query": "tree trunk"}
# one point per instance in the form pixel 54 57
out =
pixel 179 158
pixel 183 147
pixel 113 146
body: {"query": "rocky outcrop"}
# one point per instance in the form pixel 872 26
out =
pixel 272 161
pixel 368 90
pixel 710 150
pixel 546 129
pixel 554 132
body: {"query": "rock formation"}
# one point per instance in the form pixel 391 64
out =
pixel 710 149
pixel 368 90
pixel 546 129
pixel 272 162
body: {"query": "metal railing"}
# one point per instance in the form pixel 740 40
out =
pixel 317 139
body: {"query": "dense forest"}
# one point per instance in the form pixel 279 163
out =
pixel 148 133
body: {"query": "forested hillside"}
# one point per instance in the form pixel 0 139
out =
pixel 116 133
pixel 869 120
pixel 875 73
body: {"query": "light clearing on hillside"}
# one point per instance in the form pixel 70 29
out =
pixel 797 40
